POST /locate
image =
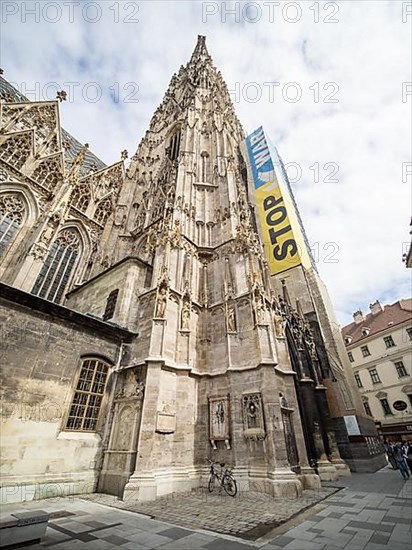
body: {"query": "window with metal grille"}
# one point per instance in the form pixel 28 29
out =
pixel 358 381
pixel 87 400
pixel 111 305
pixel 350 355
pixel 400 369
pixel 385 406
pixel 374 376
pixel 12 212
pixel 389 343
pixel 365 351
pixel 58 267
pixel 367 408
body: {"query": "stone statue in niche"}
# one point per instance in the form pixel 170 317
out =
pixel 185 318
pixel 283 401
pixel 47 235
pixel 161 302
pixel 231 318
pixel 260 313
pixel 278 320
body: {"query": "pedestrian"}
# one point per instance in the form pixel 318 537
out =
pixel 409 455
pixel 389 448
pixel 400 458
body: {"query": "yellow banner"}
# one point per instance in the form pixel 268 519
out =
pixel 281 249
pixel 281 229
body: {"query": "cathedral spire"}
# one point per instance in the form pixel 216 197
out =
pixel 198 83
pixel 200 51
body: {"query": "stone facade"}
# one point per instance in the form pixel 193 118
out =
pixel 42 347
pixel 202 356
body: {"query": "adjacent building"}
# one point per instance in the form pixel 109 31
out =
pixel 379 347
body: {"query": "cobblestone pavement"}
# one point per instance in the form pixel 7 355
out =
pixel 249 515
pixel 371 512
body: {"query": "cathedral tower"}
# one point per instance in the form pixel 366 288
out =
pixel 218 381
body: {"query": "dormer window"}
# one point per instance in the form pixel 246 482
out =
pixel 365 331
pixel 348 339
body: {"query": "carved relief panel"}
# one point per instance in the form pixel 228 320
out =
pixel 219 420
pixel 253 420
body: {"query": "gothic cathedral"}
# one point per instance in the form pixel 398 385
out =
pixel 143 331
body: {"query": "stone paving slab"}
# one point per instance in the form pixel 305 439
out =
pixel 249 515
pixel 86 525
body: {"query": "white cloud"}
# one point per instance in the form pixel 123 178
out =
pixel 367 133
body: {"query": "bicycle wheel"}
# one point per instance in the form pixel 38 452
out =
pixel 229 485
pixel 211 483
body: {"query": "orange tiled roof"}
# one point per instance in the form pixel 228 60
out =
pixel 392 315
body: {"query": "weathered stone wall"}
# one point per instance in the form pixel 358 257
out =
pixel 254 458
pixel 128 277
pixel 40 361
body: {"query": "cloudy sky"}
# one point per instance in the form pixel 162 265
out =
pixel 324 78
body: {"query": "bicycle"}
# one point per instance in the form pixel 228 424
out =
pixel 224 476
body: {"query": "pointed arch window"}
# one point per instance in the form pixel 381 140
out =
pixel 16 149
pixel 205 167
pixel 103 211
pixel 81 197
pixel 58 267
pixel 48 173
pixel 174 145
pixel 12 214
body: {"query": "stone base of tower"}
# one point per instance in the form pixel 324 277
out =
pixel 327 471
pixel 144 486
pixel 280 483
pixel 309 479
pixel 341 467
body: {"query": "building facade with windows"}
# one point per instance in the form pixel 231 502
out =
pixel 379 347
pixel 143 331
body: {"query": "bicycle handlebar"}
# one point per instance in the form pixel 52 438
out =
pixel 222 464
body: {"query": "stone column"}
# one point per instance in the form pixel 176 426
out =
pixel 142 483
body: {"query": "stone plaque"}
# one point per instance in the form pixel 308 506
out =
pixel 165 423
